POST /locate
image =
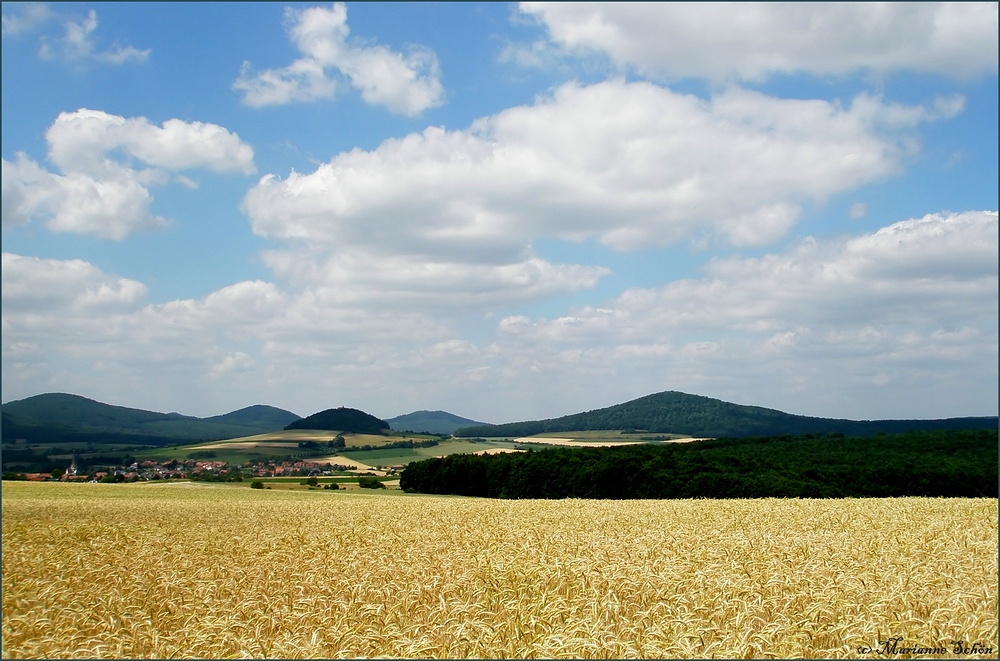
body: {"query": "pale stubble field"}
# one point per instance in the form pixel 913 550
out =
pixel 130 571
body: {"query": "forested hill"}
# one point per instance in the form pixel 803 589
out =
pixel 435 422
pixel 63 417
pixel 681 413
pixel 258 415
pixel 342 419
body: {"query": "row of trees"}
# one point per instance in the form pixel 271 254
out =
pixel 943 463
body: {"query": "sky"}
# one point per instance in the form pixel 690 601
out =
pixel 505 211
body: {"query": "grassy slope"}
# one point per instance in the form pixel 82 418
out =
pixel 392 456
pixel 284 443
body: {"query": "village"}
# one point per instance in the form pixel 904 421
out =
pixel 205 470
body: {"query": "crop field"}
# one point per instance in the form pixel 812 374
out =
pixel 392 456
pixel 216 571
pixel 609 435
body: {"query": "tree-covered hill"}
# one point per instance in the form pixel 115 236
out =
pixel 435 422
pixel 342 419
pixel 922 463
pixel 63 417
pixel 258 415
pixel 681 413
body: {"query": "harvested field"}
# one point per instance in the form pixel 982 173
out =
pixel 340 461
pixel 570 442
pixel 497 451
pixel 245 445
pixel 125 571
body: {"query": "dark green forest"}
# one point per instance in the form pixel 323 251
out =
pixel 681 413
pixel 342 419
pixel 431 422
pixel 65 418
pixel 960 463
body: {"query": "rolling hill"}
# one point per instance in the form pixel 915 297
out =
pixel 681 413
pixel 258 415
pixel 342 419
pixel 62 417
pixel 435 422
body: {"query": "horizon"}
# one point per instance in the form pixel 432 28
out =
pixel 516 211
pixel 400 415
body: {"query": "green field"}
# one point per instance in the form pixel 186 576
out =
pixel 393 456
pixel 281 444
pixel 610 436
pixel 285 444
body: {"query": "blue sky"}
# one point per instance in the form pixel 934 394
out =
pixel 504 211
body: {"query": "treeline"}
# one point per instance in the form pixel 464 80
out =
pixel 677 412
pixel 407 444
pixel 926 463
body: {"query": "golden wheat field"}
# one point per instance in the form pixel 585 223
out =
pixel 188 570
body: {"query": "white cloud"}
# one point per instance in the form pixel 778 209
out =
pixel 301 81
pixel 77 44
pixel 104 196
pixel 827 325
pixel 81 140
pixel 405 84
pixel 750 41
pixel 64 321
pixel 914 304
pixel 632 164
pixel 25 17
pixel 410 282
pixel 40 286
pixel 233 362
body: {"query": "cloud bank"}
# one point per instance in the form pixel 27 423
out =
pixel 913 305
pixel 751 41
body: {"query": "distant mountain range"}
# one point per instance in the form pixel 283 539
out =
pixel 434 422
pixel 66 418
pixel 61 417
pixel 681 413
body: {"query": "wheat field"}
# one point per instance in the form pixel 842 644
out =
pixel 184 570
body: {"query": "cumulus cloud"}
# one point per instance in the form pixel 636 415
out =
pixel 633 164
pixel 826 323
pixel 914 303
pixel 81 140
pixel 39 286
pixel 751 41
pixel 66 320
pixel 101 190
pixel 77 43
pixel 405 84
pixel 407 281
